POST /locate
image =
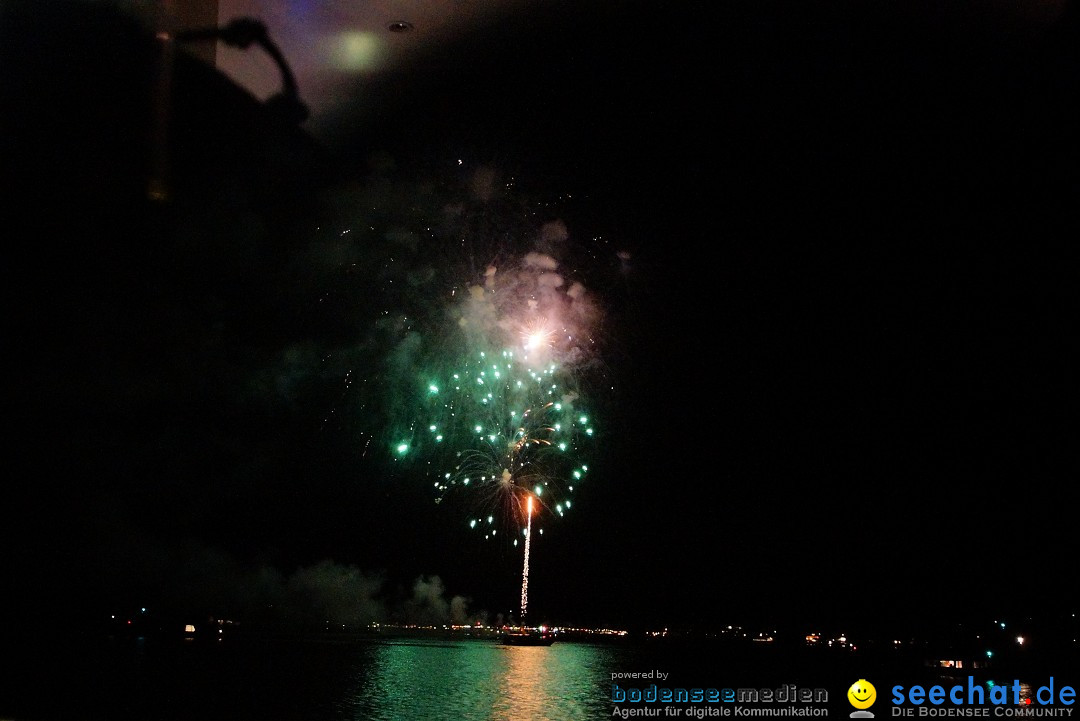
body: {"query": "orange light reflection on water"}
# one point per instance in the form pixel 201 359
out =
pixel 527 686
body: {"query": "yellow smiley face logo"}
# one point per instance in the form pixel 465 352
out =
pixel 862 694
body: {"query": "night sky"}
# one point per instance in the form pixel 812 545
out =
pixel 835 371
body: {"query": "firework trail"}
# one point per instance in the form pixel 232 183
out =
pixel 525 568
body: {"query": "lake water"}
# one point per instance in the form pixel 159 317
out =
pixel 389 679
pixel 341 680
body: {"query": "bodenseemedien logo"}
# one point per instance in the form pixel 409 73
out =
pixel 862 695
pixel 678 701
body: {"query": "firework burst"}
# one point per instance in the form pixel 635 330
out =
pixel 494 413
pixel 512 434
pixel 476 357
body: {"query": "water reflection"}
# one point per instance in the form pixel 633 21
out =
pixel 479 680
pixel 525 684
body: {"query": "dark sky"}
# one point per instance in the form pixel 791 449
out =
pixel 836 371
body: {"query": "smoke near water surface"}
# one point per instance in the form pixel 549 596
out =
pixel 201 582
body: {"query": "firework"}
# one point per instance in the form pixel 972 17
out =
pixel 509 431
pixel 497 412
pixel 525 567
pixel 473 373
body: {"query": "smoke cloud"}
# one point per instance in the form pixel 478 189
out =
pixel 201 582
pixel 428 605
